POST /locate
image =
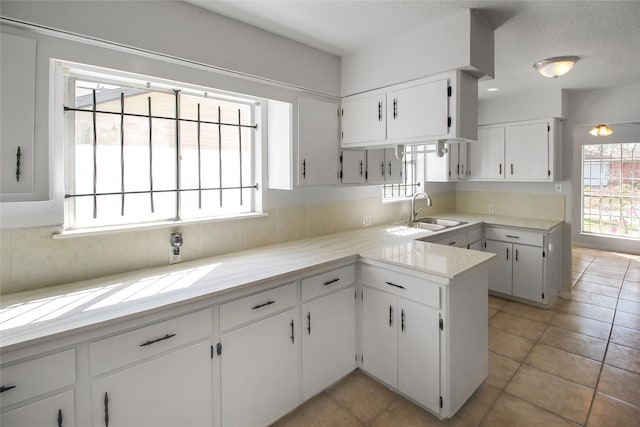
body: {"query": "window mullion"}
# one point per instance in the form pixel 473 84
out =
pixel 178 168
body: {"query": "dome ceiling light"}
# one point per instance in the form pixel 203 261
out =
pixel 556 66
pixel 601 130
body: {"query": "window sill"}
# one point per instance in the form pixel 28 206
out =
pixel 70 234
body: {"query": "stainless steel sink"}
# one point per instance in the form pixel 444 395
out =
pixel 434 224
pixel 440 221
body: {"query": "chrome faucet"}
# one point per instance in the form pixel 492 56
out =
pixel 414 214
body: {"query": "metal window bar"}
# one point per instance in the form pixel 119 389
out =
pixel 199 163
pixel 149 116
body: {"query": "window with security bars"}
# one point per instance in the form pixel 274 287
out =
pixel 611 189
pixel 138 153
pixel 412 175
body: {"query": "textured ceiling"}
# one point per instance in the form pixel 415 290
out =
pixel 604 34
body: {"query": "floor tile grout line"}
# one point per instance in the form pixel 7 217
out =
pixel 606 350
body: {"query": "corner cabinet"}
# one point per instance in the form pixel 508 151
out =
pixel 528 151
pixel 442 106
pixel 317 141
pixel 527 265
pixel 425 337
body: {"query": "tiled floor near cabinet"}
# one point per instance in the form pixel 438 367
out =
pixel 577 364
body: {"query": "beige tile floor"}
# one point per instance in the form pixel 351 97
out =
pixel 577 364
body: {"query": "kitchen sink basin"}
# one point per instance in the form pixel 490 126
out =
pixel 439 221
pixel 433 224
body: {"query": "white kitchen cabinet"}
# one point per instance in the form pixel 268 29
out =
pixel 528 151
pixel 383 167
pixel 317 141
pixel 17 89
pixel 438 107
pixel 400 343
pixel 363 119
pixel 419 110
pixel 486 156
pixel 174 389
pixel 353 166
pixel 527 266
pixel 452 166
pixel 259 371
pixel 57 410
pixel 328 340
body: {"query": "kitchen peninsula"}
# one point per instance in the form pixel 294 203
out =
pixel 250 319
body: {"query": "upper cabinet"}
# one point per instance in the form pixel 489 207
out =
pixel 366 119
pixel 452 166
pixel 429 109
pixel 526 151
pixel 317 141
pixel 17 89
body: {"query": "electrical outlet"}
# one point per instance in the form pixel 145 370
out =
pixel 366 221
pixel 175 255
pixel 491 208
pixel 558 187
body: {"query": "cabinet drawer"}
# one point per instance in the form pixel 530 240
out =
pixel 255 306
pixel 410 287
pixel 327 282
pixel 35 377
pixel 515 236
pixel 114 352
pixel 474 235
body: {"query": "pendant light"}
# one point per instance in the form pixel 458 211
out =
pixel 601 130
pixel 556 66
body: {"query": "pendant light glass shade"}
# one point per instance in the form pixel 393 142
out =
pixel 601 130
pixel 555 67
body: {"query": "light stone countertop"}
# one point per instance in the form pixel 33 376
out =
pixel 44 314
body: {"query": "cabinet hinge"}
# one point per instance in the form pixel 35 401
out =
pixel 342 134
pixel 448 122
pixel 211 357
pixel 548 172
pixel 340 157
pixel 548 128
pixel 543 295
pixel 366 175
pixel 362 358
pixel 340 175
pixel 342 112
pixel 441 325
pixel 544 254
pixel 441 402
pixel 219 349
pixel 485 245
pixel 448 90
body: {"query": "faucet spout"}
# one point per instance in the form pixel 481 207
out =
pixel 415 213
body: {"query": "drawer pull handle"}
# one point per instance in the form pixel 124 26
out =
pixel 263 304
pixel 166 337
pixel 402 320
pixel 516 255
pixel 511 236
pixel 390 315
pixel 106 409
pixel 292 333
pixel 452 243
pixel 393 284
pixel 331 281
pixel 7 388
pixel 59 418
pixel 309 324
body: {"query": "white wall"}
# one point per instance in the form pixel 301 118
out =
pixel 461 41
pixel 586 109
pixel 540 104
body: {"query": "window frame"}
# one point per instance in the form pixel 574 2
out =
pixel 65 82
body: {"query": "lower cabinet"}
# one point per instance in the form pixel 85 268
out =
pixel 171 390
pixel 259 371
pixel 328 340
pixel 400 345
pixel 57 410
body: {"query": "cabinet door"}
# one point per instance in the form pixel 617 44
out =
pixel 375 166
pixel 527 152
pixel 463 160
pixel 259 371
pixel 364 119
pixel 392 166
pixel 486 156
pixel 57 410
pixel 527 272
pixel 419 353
pixel 380 335
pixel 317 142
pixel 353 166
pixel 500 270
pixel 418 111
pixel 17 89
pixel 328 340
pixel 438 169
pixel 171 390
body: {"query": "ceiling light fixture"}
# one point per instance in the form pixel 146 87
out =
pixel 493 89
pixel 601 130
pixel 556 66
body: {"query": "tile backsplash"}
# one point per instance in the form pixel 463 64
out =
pixel 549 206
pixel 31 258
